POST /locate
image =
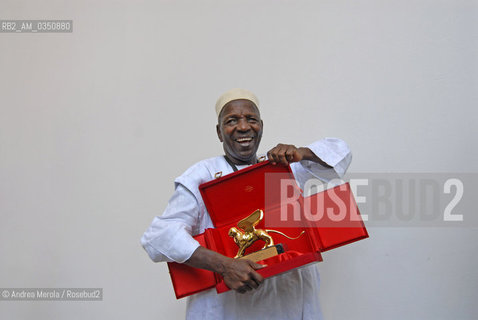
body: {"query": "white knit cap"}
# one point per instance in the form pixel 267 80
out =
pixel 235 94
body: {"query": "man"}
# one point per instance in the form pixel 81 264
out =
pixel 292 295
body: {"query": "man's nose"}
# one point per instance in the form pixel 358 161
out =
pixel 243 125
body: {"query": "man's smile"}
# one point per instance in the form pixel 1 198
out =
pixel 244 141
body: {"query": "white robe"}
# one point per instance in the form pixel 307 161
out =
pixel 292 295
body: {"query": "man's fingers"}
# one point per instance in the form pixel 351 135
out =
pixel 243 277
pixel 253 284
pixel 241 290
pixel 284 154
pixel 282 157
pixel 292 154
pixel 256 277
pixel 256 266
pixel 277 155
pixel 272 155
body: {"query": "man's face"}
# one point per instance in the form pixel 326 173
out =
pixel 240 131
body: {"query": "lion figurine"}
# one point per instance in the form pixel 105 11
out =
pixel 246 238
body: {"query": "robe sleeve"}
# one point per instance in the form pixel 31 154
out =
pixel 169 238
pixel 332 151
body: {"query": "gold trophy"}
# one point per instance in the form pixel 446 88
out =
pixel 246 234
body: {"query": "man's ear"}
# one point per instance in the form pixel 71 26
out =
pixel 219 135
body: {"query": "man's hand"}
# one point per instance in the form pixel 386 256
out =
pixel 240 275
pixel 288 153
pixel 285 154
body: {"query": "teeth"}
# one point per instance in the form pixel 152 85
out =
pixel 243 139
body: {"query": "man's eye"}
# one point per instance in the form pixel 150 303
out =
pixel 252 120
pixel 231 121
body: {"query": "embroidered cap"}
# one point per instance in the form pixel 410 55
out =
pixel 235 94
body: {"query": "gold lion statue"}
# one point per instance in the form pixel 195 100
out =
pixel 249 234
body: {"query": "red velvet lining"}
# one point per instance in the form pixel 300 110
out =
pixel 236 195
pixel 288 255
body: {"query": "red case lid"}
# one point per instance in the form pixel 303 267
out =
pixel 333 234
pixel 231 191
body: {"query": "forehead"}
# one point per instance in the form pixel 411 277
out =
pixel 240 107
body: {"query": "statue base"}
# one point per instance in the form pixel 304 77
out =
pixel 265 253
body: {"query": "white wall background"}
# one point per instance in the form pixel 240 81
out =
pixel 94 126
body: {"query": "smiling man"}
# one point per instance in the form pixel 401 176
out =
pixel 293 295
pixel 240 130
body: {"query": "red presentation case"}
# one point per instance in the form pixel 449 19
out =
pixel 330 219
